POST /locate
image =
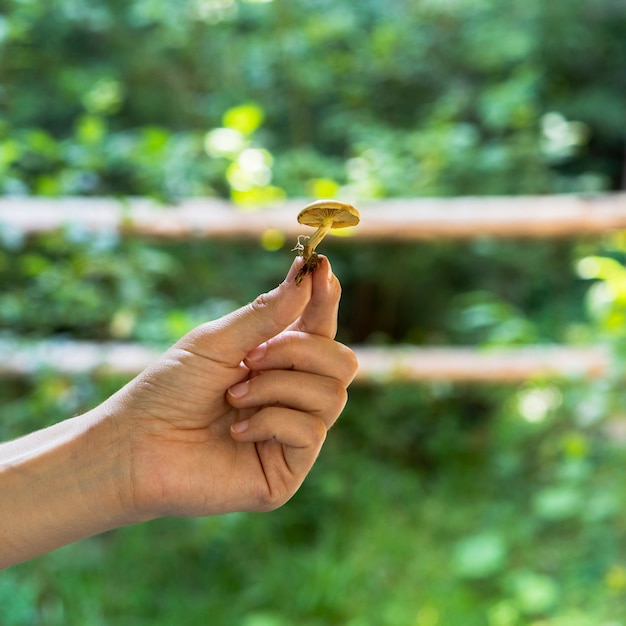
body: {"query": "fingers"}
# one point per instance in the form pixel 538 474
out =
pixel 230 338
pixel 283 436
pixel 297 386
pixel 320 315
pixel 297 409
pixel 305 353
pixel 286 426
pixel 320 396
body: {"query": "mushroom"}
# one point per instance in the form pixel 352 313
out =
pixel 325 215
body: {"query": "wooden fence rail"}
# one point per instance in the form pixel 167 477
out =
pixel 376 364
pixel 392 220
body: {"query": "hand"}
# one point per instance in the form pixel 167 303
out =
pixel 233 416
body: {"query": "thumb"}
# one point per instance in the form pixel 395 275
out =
pixel 229 339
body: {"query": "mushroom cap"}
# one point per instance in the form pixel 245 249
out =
pixel 317 212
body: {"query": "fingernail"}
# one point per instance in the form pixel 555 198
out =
pixel 239 390
pixel 258 353
pixel 293 270
pixel 240 427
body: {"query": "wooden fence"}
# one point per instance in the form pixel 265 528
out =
pixel 376 364
pixel 411 219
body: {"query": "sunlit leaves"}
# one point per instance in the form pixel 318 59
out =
pixel 105 97
pixel 213 11
pixel 90 129
pixel 272 239
pixel 434 101
pixel 536 403
pixel 562 138
pixel 245 118
pixel 249 170
pixel 534 593
pixel 226 142
pixel 252 168
pixel 437 505
pixel 323 188
pixel 479 556
pixel 606 298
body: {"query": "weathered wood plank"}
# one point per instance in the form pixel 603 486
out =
pixel 398 363
pixel 475 365
pixel 395 219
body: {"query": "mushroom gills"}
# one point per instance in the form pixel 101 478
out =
pixel 325 215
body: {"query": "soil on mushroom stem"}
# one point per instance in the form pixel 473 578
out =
pixel 308 267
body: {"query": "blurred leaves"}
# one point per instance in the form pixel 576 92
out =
pixel 431 505
pixel 435 101
pixel 479 556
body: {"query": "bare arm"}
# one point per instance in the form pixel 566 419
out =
pixel 231 418
pixel 61 484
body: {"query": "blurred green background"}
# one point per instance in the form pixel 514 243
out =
pixel 432 504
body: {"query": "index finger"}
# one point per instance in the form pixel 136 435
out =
pixel 319 317
pixel 228 339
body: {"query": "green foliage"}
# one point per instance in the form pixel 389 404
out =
pixel 432 505
pixel 101 287
pixel 483 536
pixel 606 298
pixel 111 97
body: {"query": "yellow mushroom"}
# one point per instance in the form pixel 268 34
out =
pixel 325 215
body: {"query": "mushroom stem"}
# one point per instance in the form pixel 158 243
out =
pixel 318 235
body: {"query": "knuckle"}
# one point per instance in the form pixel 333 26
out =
pixel 288 348
pixel 336 400
pixel 260 303
pixel 337 389
pixel 270 500
pixel 351 363
pixel 317 432
pixel 343 401
pixel 292 341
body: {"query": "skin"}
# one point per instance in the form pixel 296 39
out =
pixel 230 418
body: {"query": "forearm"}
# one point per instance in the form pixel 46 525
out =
pixel 61 484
